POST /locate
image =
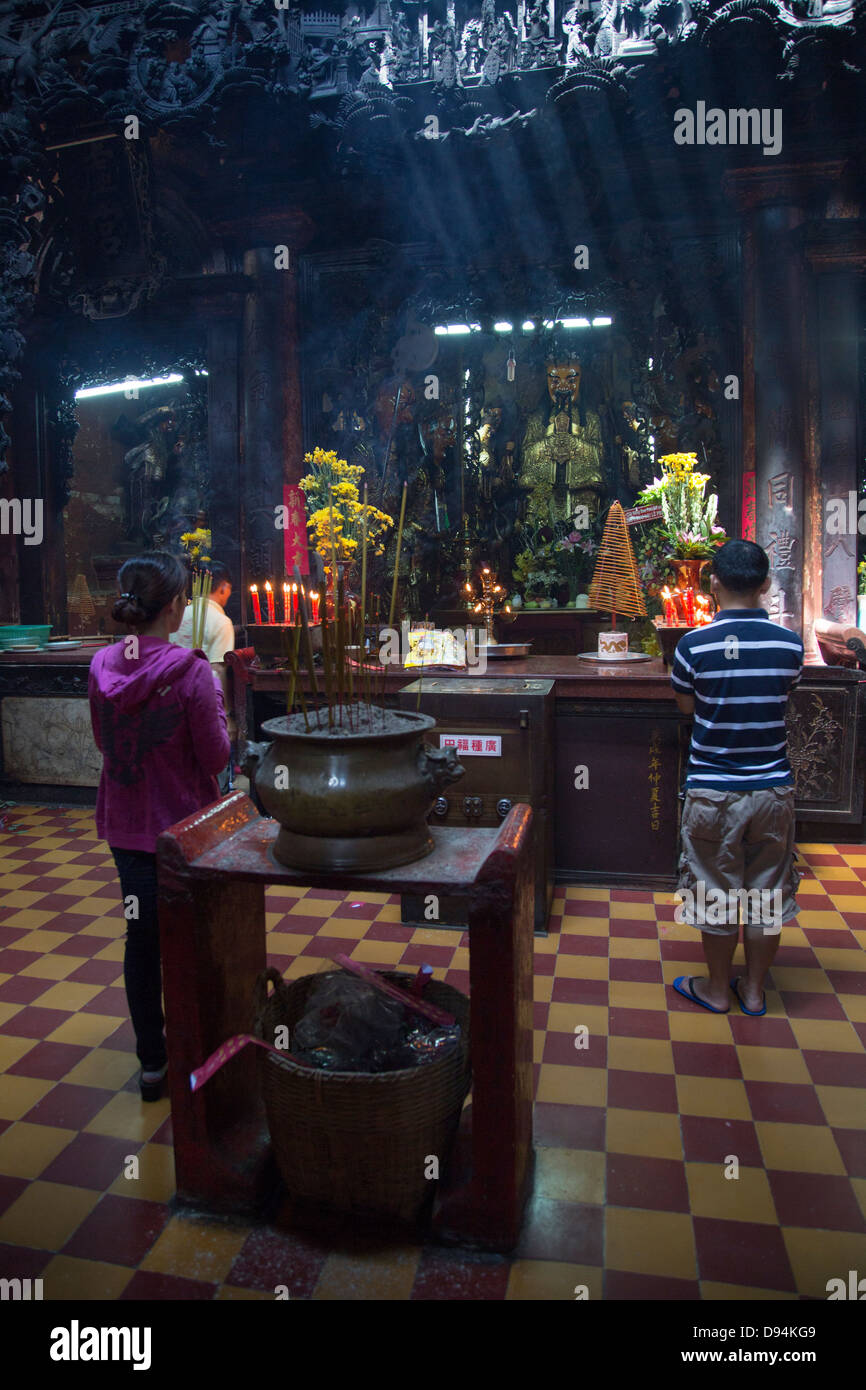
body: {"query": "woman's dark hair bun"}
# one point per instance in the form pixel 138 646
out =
pixel 147 584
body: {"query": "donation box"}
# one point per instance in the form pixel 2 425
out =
pixel 503 733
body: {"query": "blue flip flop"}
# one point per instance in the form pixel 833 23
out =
pixel 683 986
pixel 753 1013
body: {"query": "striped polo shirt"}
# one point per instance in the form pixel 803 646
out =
pixel 740 668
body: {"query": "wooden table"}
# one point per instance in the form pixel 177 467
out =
pixel 213 871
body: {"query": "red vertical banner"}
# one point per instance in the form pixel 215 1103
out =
pixel 295 533
pixel 748 519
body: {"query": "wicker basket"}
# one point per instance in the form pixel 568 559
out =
pixel 355 1142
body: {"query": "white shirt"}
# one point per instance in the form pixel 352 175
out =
pixel 219 633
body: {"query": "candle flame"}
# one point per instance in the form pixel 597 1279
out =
pixel 254 588
pixel 268 585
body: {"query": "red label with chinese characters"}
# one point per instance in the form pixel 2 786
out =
pixel 295 534
pixel 635 515
pixel 479 745
pixel 748 520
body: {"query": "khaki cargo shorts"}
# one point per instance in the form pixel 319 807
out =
pixel 738 860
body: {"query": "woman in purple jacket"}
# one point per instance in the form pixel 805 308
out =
pixel 159 722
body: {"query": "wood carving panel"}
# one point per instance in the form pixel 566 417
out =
pixel 49 742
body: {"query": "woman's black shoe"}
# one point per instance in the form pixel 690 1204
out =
pixel 151 1083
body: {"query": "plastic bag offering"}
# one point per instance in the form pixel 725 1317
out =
pixel 349 1026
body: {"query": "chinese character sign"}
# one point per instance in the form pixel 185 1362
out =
pixel 295 533
pixel 654 777
pixel 748 519
pixel 483 746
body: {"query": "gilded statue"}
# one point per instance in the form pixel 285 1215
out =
pixel 562 447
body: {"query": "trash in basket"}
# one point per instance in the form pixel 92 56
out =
pixel 349 1026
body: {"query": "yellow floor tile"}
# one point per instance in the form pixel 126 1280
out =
pixel 283 890
pixel 351 929
pixel 570 1175
pixel 818 1256
pixel 378 952
pixel 575 1085
pixel 85 1030
pixel 650 1242
pixel 774 1064
pixel 11 881
pixel 57 856
pixel 126 1116
pixel 744 1198
pixel 640 1054
pixel 843 1106
pixel 379 1276
pixel 195 1249
pixel 854 1006
pixel 549 1281
pixel 18 1094
pixel 735 1293
pixel 832 959
pixel 8 1011
pixel 390 912
pixel 12 1050
pixel 156 1178
pixel 542 988
pixel 53 967
pixel 834 873
pixel 91 907
pixel 635 994
pixel 431 936
pixel 636 912
pixel 564 1018
pixel 699 1025
pixel 287 943
pixel 570 967
pixel 799 1148
pixel 546 945
pixel 112 951
pixel 816 919
pixel 46 1214
pixel 634 948
pixel 66 995
pixel 646 1133
pixel 313 907
pixel 821 1034
pixel 585 926
pixel 66 1278
pixel 103 1067
pixel 80 887
pixel 713 1096
pixel 17 897
pixel 848 902
pixel 790 977
pixel 577 893
pixel 104 926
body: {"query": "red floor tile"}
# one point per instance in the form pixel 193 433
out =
pixel 708 1140
pixel 848 981
pixel 81 945
pixel 91 1160
pixel 736 1252
pixel 706 1059
pixel 458 979
pixel 23 989
pixel 96 972
pixel 637 1090
pixel 107 1001
pixel 427 955
pixel 540 1014
pixel 10 1190
pixel 836 1068
pixel 568 1126
pixel 269 1258
pixel 48 1060
pixel 832 940
pixel 580 907
pixel 460 1276
pixel 9 935
pixel 164 1134
pixel 801 1003
pixel 328 947
pixel 544 965
pixel 658 1184
pixel 148 1287
pixel 638 1023
pixel 559 1048
pixel 20 1262
pixel 34 1022
pixel 570 1231
pixel 390 931
pixel 784 1102
pixel 583 945
pixel 119 1230
pixel 643 971
pixel 760 1032
pixel 11 961
pixel 682 950
pixel 573 991
pixel 622 926
pixel 69 1107
pixel 621 1286
pixel 816 1199
pixel 852 1146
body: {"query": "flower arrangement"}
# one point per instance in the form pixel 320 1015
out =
pixel 690 531
pixel 197 545
pixel 331 490
pixel 861 578
pixel 536 568
pixel 575 552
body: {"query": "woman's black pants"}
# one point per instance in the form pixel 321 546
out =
pixel 141 964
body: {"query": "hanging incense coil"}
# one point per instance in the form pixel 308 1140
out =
pixel 615 586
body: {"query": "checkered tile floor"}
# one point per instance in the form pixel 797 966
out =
pixel 633 1134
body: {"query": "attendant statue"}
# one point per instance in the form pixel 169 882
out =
pixel 562 447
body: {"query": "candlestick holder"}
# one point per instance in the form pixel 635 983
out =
pixel 491 603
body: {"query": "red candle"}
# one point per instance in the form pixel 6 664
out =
pixel 287 607
pixel 294 610
pixel 690 607
pixel 314 599
pixel 301 603
pixel 257 608
pixel 269 594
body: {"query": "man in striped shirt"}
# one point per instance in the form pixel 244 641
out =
pixel 738 853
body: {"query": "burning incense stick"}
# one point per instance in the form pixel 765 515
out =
pixel 397 557
pixel 308 647
pixel 364 559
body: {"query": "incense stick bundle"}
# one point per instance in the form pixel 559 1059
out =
pixel 308 647
pixel 397 557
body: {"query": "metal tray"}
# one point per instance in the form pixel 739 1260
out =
pixel 506 651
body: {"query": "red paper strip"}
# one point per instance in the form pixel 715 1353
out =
pixel 419 1006
pixel 748 518
pixel 295 539
pixel 230 1049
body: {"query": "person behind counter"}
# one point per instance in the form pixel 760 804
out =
pixel 159 721
pixel 219 638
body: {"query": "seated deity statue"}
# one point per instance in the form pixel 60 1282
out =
pixel 563 448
